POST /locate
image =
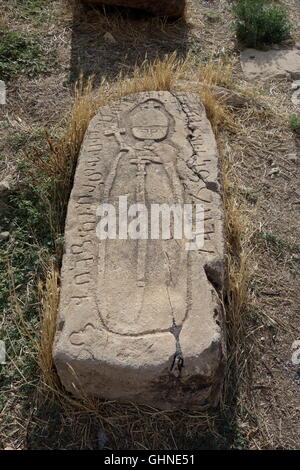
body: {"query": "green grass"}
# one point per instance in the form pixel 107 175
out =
pixel 295 123
pixel 259 22
pixel 33 10
pixel 28 141
pixel 23 257
pixel 20 53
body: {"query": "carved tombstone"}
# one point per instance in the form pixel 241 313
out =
pixel 140 319
pixel 172 8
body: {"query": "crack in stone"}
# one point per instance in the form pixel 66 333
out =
pixel 210 267
pixel 210 185
pixel 178 360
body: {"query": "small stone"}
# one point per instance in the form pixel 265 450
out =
pixel 296 98
pixel 102 439
pixel 295 85
pixel 2 92
pixel 4 235
pixel 292 157
pixel 273 172
pixel 4 185
pixel 109 38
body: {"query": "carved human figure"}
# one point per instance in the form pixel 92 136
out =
pixel 145 170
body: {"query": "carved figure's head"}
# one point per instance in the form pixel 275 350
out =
pixel 149 121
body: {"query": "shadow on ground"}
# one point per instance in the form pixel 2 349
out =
pixel 127 428
pixel 107 41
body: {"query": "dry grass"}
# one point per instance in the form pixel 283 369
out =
pixel 49 304
pixel 238 233
pixel 240 270
pixel 216 73
pixel 216 112
pixel 3 22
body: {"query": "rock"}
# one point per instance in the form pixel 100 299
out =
pixel 296 97
pixel 2 92
pixel 274 171
pixel 171 8
pixel 5 185
pixel 109 38
pixel 271 64
pixel 140 320
pixel 4 235
pixel 2 352
pixel 292 157
pixel 102 439
pixel 295 85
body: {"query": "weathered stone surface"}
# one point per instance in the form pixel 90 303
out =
pixel 171 8
pixel 271 64
pixel 140 320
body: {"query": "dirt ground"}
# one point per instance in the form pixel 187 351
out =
pixel 267 401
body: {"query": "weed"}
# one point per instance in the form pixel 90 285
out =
pixel 248 195
pixel 212 16
pixel 26 140
pixel 20 53
pixel 258 22
pixel 34 11
pixel 295 123
pixel 279 247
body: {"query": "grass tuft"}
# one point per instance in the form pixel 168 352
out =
pixel 258 22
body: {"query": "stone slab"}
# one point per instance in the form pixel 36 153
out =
pixel 140 320
pixel 271 64
pixel 171 8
